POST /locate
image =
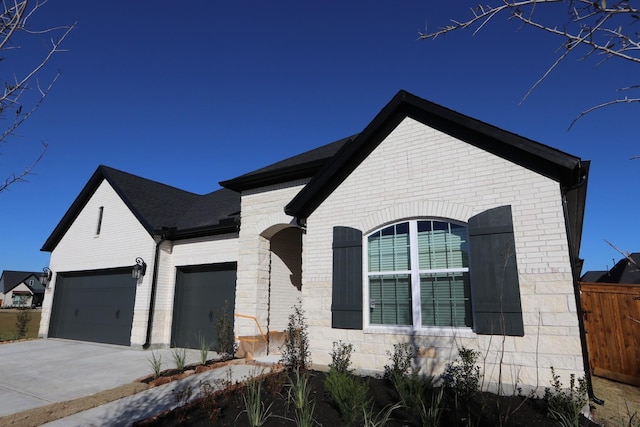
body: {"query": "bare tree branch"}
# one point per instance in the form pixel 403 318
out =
pixel 14 18
pixel 599 27
pixel 22 176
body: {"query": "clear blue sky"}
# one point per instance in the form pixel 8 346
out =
pixel 191 93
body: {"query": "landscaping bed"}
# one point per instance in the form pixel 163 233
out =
pixel 227 407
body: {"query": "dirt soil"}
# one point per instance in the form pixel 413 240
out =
pixel 227 408
pixel 45 414
pixel 621 401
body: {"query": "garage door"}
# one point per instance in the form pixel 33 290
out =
pixel 201 293
pixel 94 307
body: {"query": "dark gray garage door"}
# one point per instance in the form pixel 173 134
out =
pixel 201 293
pixel 94 306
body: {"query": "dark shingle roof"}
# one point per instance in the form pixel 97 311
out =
pixel 160 208
pixel 624 272
pixel 303 165
pixel 11 279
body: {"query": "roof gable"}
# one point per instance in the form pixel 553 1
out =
pixel 550 162
pixel 158 207
pixel 11 279
pixel 626 271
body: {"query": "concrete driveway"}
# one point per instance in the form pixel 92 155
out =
pixel 39 372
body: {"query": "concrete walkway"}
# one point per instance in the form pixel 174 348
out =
pixel 150 402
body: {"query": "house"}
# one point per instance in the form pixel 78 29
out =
pixel 428 226
pixel 20 289
pixel 626 271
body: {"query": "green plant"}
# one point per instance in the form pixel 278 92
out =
pixel 254 407
pixel 204 348
pixel 23 317
pixel 380 419
pixel 401 360
pixel 430 416
pixel 227 346
pixel 413 390
pixel 349 393
pixel 565 405
pixel 155 361
pixel 299 395
pixel 341 357
pixel 179 357
pixel 296 354
pixel 463 375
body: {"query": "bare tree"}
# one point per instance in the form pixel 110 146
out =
pixel 599 27
pixel 23 92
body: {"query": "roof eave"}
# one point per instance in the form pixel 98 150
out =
pixel 533 155
pixel 292 173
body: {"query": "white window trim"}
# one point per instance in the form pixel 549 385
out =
pixel 416 328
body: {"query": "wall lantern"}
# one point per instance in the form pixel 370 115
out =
pixel 139 269
pixel 45 277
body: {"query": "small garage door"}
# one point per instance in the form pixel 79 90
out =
pixel 201 293
pixel 94 307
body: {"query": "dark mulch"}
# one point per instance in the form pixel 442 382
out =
pixel 225 408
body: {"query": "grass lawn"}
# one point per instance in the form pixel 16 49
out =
pixel 8 324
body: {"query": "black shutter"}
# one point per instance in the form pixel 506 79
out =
pixel 495 290
pixel 346 302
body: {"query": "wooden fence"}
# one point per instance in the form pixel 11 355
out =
pixel 612 322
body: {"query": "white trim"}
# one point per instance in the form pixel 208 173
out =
pixel 414 273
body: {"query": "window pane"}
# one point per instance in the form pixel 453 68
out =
pixel 445 299
pixel 442 245
pixel 390 299
pixel 389 249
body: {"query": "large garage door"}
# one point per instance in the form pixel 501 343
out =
pixel 94 307
pixel 201 293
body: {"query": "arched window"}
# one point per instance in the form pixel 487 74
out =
pixel 418 274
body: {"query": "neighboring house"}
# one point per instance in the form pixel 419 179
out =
pixel 20 289
pixel 428 226
pixel 626 271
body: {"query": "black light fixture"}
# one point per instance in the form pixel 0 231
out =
pixel 139 269
pixel 45 277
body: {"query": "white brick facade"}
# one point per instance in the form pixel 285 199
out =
pixel 418 172
pixel 122 238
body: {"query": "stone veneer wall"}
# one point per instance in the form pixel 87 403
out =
pixel 262 216
pixel 418 172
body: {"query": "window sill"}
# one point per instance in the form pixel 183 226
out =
pixel 431 331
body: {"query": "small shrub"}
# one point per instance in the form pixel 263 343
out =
pixel 179 357
pixel 341 357
pixel 275 381
pixel 23 317
pixel 401 360
pixel 565 405
pixel 463 375
pixel 227 346
pixel 155 361
pixel 413 390
pixel 254 407
pixel 296 354
pixel 349 393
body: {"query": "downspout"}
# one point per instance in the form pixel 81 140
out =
pixel 578 297
pixel 154 285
